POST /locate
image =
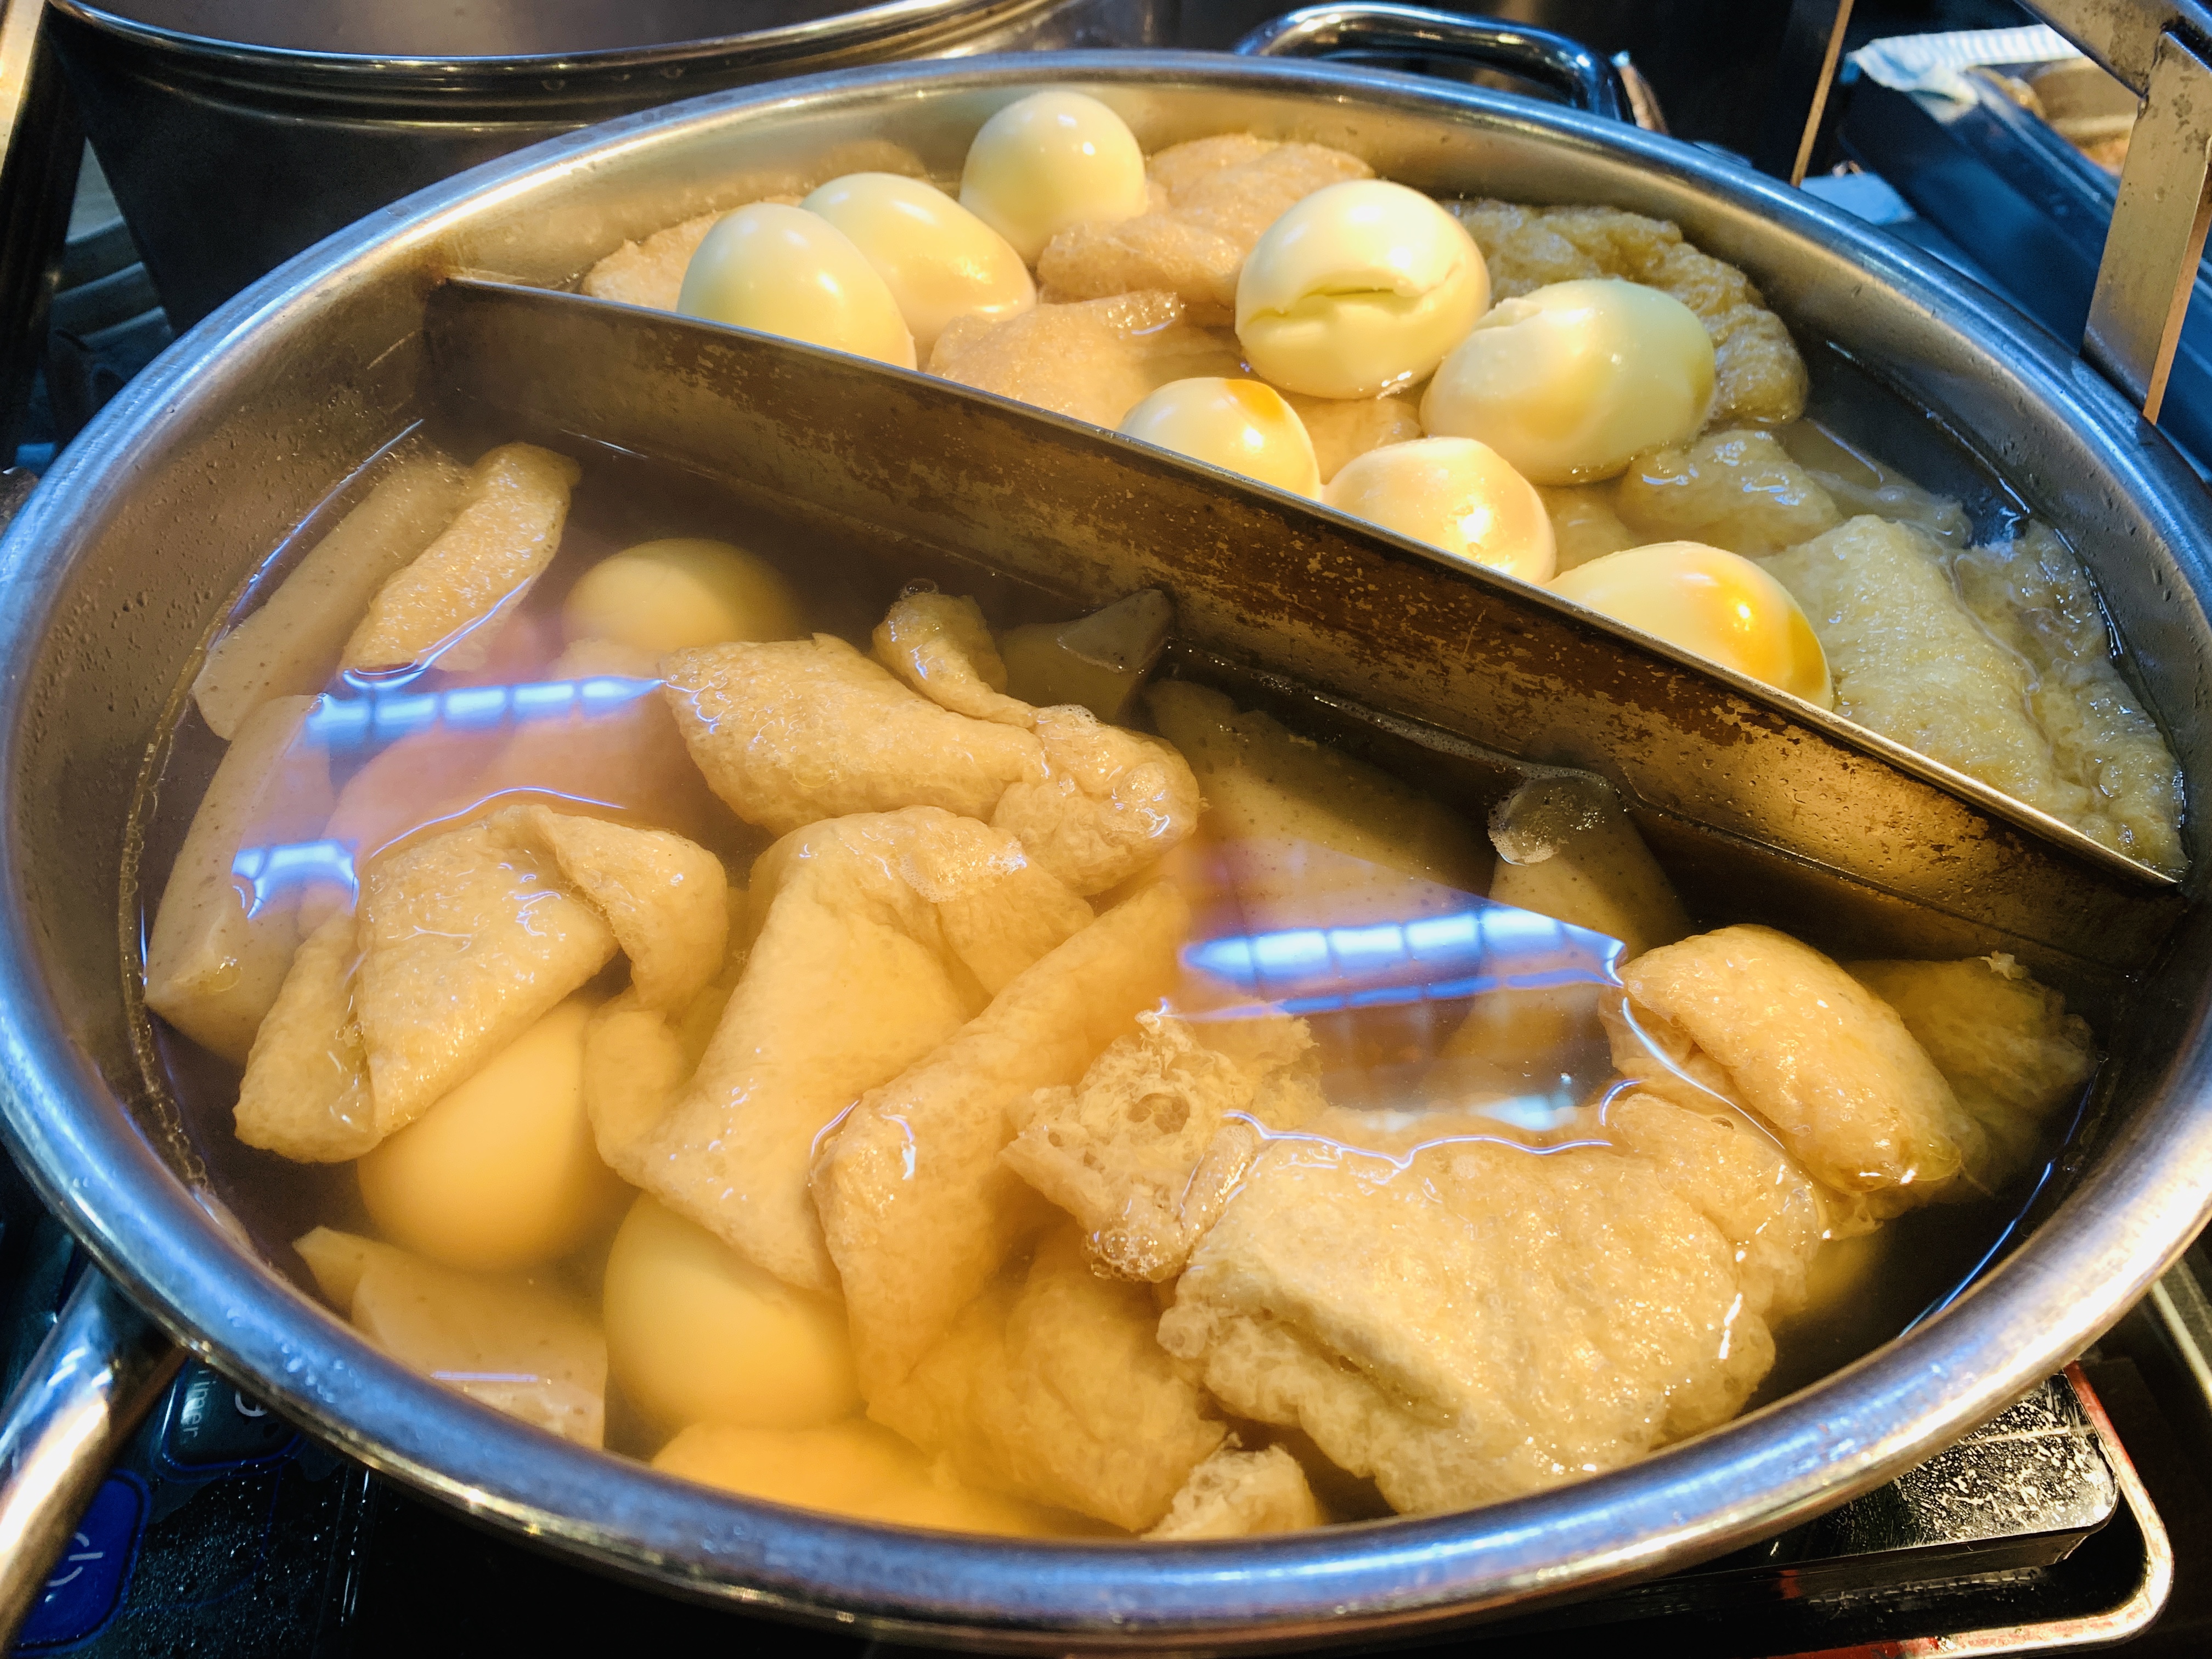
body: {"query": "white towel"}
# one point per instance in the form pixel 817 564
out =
pixel 1933 63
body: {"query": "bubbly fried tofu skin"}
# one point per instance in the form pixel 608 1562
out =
pixel 1738 490
pixel 1242 1494
pixel 881 934
pixel 1094 359
pixel 2012 1053
pixel 444 605
pixel 1751 1015
pixel 790 733
pixel 1211 198
pixel 461 945
pixel 1344 430
pixel 1758 378
pixel 2032 594
pixel 1049 1386
pixel 1910 661
pixel 1146 1150
pixel 1473 1321
pixel 918 1211
pixel 650 273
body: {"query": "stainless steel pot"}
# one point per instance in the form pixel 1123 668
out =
pixel 239 132
pixel 138 542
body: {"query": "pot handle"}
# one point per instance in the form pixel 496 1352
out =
pixel 92 1380
pixel 1580 75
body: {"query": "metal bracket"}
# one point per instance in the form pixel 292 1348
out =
pixel 2157 237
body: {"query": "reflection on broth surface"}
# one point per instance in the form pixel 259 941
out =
pixel 948 1069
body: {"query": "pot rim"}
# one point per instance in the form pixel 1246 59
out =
pixel 370 74
pixel 168 1245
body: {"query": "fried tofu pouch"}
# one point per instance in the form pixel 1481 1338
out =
pixel 1094 359
pixel 445 605
pixel 1050 1386
pixel 1211 198
pixel 461 945
pixel 1145 1151
pixel 1750 1015
pixel 1471 1321
pixel 1758 379
pixel 792 731
pixel 1737 490
pixel 918 1211
pixel 880 935
pixel 2012 1053
pixel 1242 1494
pixel 516 1343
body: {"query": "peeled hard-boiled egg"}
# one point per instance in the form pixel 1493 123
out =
pixel 1722 607
pixel 1360 289
pixel 938 259
pixel 1242 426
pixel 1454 494
pixel 784 271
pixel 1569 382
pixel 696 1334
pixel 503 1172
pixel 670 595
pixel 1049 160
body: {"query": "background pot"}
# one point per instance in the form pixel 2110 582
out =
pixel 238 132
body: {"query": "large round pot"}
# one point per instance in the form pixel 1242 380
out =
pixel 134 545
pixel 239 132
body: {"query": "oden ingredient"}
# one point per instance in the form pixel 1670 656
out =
pixel 939 260
pixel 782 271
pixel 1049 160
pixel 1240 426
pixel 1456 495
pixel 665 595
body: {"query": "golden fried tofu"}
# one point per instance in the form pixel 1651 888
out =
pixel 1094 360
pixel 444 606
pixel 289 646
pixel 1344 430
pixel 1860 485
pixel 1758 378
pixel 2032 593
pixel 221 946
pixel 1049 1386
pixel 666 898
pixel 650 273
pixel 918 1213
pixel 465 943
pixel 306 1091
pixel 1111 802
pixel 1303 835
pixel 2011 1051
pixel 1568 851
pixel 1472 1321
pixel 1143 1153
pixel 516 1343
pixel 1799 1041
pixel 854 1468
pixel 791 732
pixel 1211 198
pixel 1241 1494
pixel 1910 661
pixel 1737 490
pixel 878 931
pixel 940 646
pixel 1585 524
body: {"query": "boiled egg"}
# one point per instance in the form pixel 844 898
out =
pixel 503 1172
pixel 938 259
pixel 1240 426
pixel 670 595
pixel 1049 160
pixel 1569 382
pixel 1453 494
pixel 1721 607
pixel 696 1334
pixel 1359 289
pixel 783 270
